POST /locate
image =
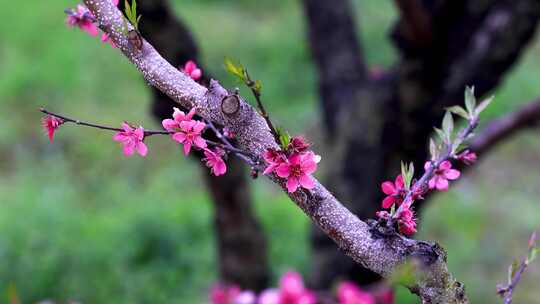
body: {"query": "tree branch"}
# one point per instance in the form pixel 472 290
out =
pixel 381 254
pixel 502 128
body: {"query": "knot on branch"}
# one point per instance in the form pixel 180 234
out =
pixel 230 105
pixel 426 252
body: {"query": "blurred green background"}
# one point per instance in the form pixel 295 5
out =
pixel 79 221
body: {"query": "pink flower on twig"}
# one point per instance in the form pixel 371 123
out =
pixel 441 175
pixel 298 169
pixel 349 293
pixel 406 221
pixel 132 140
pixel 50 124
pixel 274 159
pixel 297 145
pixel 191 69
pixel 394 191
pixel 214 161
pixel 467 157
pixel 106 39
pixel 190 134
pixel 179 116
pixel 83 19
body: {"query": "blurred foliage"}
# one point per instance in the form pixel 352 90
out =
pixel 80 221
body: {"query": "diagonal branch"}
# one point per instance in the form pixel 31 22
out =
pixel 502 128
pixel 379 253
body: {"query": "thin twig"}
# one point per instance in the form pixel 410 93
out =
pixel 422 183
pixel 257 94
pixel 247 157
pixel 227 146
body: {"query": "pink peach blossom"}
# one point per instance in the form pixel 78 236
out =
pixel 50 124
pixel 349 293
pixel 191 69
pixel 269 296
pixel 298 169
pixel 132 140
pixel 441 175
pixel 395 192
pixel 83 19
pixel 274 159
pixel 406 221
pixel 467 157
pixel 224 294
pixel 292 290
pixel 179 116
pixel 214 161
pixel 190 134
pixel 106 39
pixel 297 145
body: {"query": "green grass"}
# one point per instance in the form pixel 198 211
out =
pixel 80 221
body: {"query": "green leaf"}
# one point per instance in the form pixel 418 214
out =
pixel 470 100
pixel 457 144
pixel 448 124
pixel 284 138
pixel 458 111
pixel 433 150
pixel 441 134
pixel 407 172
pixel 512 270
pixel 532 254
pixel 235 69
pixel 483 105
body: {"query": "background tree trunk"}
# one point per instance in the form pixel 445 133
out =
pixel 241 243
pixel 374 122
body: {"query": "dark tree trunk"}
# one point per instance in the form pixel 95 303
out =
pixel 373 123
pixel 241 244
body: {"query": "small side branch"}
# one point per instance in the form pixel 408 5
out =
pixel 502 128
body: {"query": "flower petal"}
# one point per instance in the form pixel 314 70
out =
pixel 292 184
pixel 388 202
pixel 388 188
pixel 169 124
pixel 142 149
pixel 179 137
pixel 445 165
pixel 452 174
pixel 441 184
pixel 306 181
pixel 199 142
pixel 399 182
pixel 283 170
pixel 187 147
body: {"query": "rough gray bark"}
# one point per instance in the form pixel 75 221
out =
pixel 380 253
pixel 444 45
pixel 241 244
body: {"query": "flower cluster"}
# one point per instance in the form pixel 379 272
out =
pixel 295 163
pixel 438 171
pixel 291 290
pixel 82 18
